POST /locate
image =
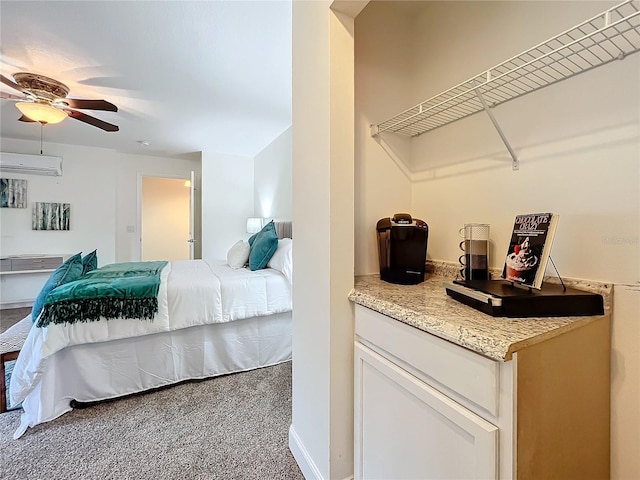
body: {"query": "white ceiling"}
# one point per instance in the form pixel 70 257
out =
pixel 186 76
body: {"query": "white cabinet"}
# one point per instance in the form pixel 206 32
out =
pixel 22 277
pixel 408 429
pixel 426 408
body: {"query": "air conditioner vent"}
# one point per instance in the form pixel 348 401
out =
pixel 30 164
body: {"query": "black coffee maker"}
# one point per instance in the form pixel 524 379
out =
pixel 402 249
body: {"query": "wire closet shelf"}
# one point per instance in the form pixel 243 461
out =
pixel 609 36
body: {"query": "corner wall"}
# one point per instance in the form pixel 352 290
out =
pixel 227 202
pixel 272 184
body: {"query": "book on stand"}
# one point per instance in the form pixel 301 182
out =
pixel 529 249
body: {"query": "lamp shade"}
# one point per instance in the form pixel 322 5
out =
pixel 41 112
pixel 254 225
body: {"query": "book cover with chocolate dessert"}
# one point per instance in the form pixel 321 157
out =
pixel 529 248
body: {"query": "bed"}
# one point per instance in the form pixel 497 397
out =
pixel 211 320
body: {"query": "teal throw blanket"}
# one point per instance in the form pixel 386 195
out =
pixel 118 290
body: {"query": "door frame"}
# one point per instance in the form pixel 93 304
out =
pixel 191 177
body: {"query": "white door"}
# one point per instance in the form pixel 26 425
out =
pixel 406 429
pixel 166 218
pixel 192 203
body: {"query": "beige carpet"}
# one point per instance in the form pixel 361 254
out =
pixel 230 427
pixel 13 315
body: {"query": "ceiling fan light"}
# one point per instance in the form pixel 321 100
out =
pixel 41 112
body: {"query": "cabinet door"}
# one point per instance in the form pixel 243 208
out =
pixel 405 429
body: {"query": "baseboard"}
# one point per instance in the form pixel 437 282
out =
pixel 16 304
pixel 304 460
pixel 300 453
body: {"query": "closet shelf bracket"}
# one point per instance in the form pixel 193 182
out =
pixel 515 163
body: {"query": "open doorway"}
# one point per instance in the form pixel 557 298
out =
pixel 166 218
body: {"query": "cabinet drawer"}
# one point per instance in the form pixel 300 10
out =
pixel 449 367
pixel 5 265
pixel 35 263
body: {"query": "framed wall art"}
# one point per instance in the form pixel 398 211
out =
pixel 13 193
pixel 50 216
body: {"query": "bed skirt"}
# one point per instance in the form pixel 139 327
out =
pixel 100 371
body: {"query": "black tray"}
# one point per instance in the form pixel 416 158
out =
pixel 500 298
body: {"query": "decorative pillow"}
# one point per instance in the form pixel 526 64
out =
pixel 238 255
pixel 252 239
pixel 89 262
pixel 263 247
pixel 282 259
pixel 69 271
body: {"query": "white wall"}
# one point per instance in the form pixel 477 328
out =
pixel 321 434
pixel 87 184
pixel 238 187
pixel 272 179
pixel 382 187
pixel 578 144
pixel 561 135
pixel 101 186
pixel 310 427
pixel 227 202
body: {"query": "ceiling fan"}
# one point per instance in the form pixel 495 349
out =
pixel 45 101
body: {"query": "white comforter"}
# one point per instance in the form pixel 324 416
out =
pixel 193 292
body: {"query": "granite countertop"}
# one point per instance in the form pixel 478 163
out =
pixel 427 307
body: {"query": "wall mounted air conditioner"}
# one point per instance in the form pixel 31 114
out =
pixel 30 164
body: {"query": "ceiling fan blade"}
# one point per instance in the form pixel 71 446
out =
pixel 10 96
pixel 10 83
pixel 91 104
pixel 24 118
pixel 83 117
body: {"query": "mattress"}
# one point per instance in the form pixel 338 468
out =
pixel 211 320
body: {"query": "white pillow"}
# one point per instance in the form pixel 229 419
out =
pixel 282 258
pixel 238 255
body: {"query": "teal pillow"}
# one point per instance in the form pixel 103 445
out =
pixel 90 262
pixel 69 271
pixel 263 246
